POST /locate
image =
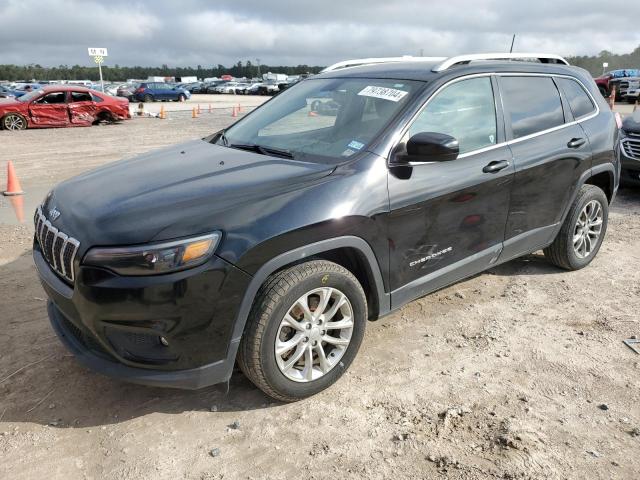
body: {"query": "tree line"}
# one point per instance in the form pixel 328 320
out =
pixel 117 73
pixel 616 61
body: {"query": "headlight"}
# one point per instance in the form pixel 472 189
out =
pixel 153 259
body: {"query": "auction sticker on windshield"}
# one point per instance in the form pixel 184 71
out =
pixel 383 92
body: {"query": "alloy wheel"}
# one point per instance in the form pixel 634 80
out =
pixel 588 229
pixel 14 122
pixel 314 334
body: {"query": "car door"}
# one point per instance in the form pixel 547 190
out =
pixel 82 108
pixel 50 109
pixel 550 152
pixel 447 219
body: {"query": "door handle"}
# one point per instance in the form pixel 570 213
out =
pixel 495 166
pixel 576 142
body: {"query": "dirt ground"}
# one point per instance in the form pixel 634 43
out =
pixel 518 373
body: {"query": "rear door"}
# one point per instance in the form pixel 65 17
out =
pixel 82 108
pixel 447 219
pixel 50 110
pixel 550 152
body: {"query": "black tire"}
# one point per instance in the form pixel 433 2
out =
pixel 13 121
pixel 181 97
pixel 257 357
pixel 562 252
pixel 147 98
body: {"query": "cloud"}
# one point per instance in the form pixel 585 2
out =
pixel 192 32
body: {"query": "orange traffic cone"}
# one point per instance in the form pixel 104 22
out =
pixel 17 203
pixel 162 113
pixel 239 108
pixel 198 109
pixel 194 113
pixel 234 112
pixel 13 184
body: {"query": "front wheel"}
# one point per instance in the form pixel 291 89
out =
pixel 14 121
pixel 582 232
pixel 147 98
pixel 181 97
pixel 304 330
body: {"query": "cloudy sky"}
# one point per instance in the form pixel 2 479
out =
pixel 291 32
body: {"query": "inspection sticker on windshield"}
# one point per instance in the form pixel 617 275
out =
pixel 383 92
pixel 356 145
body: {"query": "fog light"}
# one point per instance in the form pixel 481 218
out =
pixel 164 341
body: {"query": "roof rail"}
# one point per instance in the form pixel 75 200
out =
pixel 372 61
pixel 542 57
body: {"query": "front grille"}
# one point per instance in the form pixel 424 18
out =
pixel 58 249
pixel 631 145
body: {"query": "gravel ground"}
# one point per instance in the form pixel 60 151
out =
pixel 518 373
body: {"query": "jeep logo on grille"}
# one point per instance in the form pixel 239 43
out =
pixel 54 213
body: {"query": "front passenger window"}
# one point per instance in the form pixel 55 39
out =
pixel 465 110
pixel 52 98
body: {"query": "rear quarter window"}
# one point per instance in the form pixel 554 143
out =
pixel 579 101
pixel 532 104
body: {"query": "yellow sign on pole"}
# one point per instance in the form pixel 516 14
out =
pixel 98 55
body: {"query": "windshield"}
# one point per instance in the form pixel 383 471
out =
pixel 27 97
pixel 324 119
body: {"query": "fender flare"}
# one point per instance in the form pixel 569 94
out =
pixel 296 255
pixel 605 167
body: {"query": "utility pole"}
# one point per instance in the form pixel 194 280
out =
pixel 513 40
pixel 258 62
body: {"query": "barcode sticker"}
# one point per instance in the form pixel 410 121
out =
pixel 383 92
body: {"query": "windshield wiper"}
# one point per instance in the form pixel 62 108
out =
pixel 262 150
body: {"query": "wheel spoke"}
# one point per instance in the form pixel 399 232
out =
pixel 338 303
pixel 307 372
pixel 325 296
pixel 576 239
pixel 284 347
pixel 303 303
pixel 295 357
pixel 346 322
pixel 289 321
pixel 322 359
pixel 335 340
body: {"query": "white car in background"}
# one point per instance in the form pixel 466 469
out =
pixel 232 87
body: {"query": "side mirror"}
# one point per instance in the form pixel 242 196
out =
pixel 425 147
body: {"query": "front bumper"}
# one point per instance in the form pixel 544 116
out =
pixel 114 324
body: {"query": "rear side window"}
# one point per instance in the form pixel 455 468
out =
pixel 532 104
pixel 579 100
pixel 80 97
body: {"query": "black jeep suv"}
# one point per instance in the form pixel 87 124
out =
pixel 271 243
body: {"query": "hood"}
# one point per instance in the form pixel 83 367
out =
pixel 632 123
pixel 178 191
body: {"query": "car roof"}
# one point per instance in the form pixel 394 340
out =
pixel 64 88
pixel 423 71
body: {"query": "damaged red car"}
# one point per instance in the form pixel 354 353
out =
pixel 61 106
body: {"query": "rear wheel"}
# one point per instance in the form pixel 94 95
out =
pixel 14 121
pixel 147 98
pixel 304 330
pixel 181 97
pixel 582 232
